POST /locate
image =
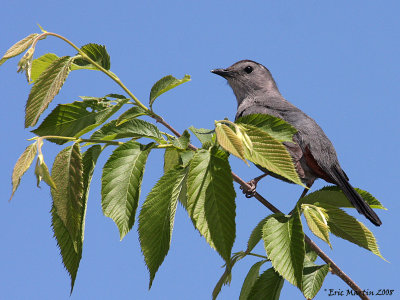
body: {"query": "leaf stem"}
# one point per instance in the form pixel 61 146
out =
pixel 78 140
pixel 107 72
pixel 258 255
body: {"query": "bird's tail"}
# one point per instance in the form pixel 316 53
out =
pixel 356 200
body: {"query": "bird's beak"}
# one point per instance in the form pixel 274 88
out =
pixel 222 72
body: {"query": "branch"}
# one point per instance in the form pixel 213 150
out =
pixel 334 268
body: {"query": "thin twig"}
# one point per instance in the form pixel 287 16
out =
pixel 335 268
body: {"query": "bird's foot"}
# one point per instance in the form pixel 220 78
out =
pixel 252 191
pixel 253 185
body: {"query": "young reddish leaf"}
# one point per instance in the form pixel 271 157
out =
pixel 22 165
pixel 19 47
pixel 45 89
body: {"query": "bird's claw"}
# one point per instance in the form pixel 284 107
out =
pixel 252 191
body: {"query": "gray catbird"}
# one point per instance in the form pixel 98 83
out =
pixel 312 152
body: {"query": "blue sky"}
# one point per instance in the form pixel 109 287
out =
pixel 337 60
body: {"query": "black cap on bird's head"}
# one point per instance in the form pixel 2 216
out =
pixel 247 77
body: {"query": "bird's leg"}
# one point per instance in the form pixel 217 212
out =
pixel 253 183
pixel 304 192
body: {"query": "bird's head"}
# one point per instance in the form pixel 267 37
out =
pixel 248 78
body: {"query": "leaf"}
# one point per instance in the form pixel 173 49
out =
pixel 39 65
pixel 284 243
pixel 67 197
pixel 121 183
pixel 25 63
pixel 71 247
pixel 42 172
pixel 228 140
pixel 134 128
pixel 211 200
pixel 205 136
pixel 256 235
pixel 45 89
pixel 89 159
pixel 311 255
pixel 171 159
pixel 96 52
pixel 156 219
pixel 165 84
pixel 186 157
pixel 250 279
pixel 68 207
pixel 275 127
pixel 268 286
pixel 313 278
pixel 131 113
pixel 333 195
pixel 19 47
pixel 317 221
pixel 347 227
pixel 75 119
pixel 270 154
pixel 183 141
pixel 22 165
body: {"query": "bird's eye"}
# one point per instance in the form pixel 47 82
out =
pixel 248 69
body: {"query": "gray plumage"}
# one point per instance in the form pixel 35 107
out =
pixel 313 153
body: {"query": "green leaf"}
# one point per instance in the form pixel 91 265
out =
pixel 284 243
pixel 317 221
pixel 96 52
pixel 39 65
pixel 165 84
pixel 134 128
pixel 347 227
pixel 183 141
pixel 205 136
pixel 171 159
pixel 186 157
pixel 311 255
pixel 211 200
pixel 42 172
pixel 71 247
pixel 270 154
pixel 89 159
pixel 313 278
pixel 75 119
pixel 333 195
pixel 67 197
pixel 250 279
pixel 19 47
pixel 131 113
pixel 121 183
pixel 228 140
pixel 68 207
pixel 156 219
pixel 256 235
pixel 268 286
pixel 275 127
pixel 22 165
pixel 45 89
pixel 25 63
